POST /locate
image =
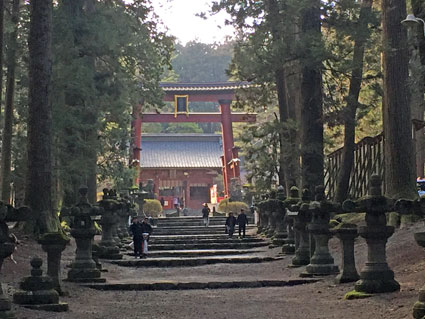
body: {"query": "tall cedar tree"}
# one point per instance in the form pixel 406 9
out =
pixel 6 154
pixel 349 113
pixel 399 155
pixel 311 108
pixel 1 49
pixel 38 194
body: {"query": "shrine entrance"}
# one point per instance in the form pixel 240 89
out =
pixel 184 93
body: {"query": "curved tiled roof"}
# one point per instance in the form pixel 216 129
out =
pixel 181 151
pixel 213 86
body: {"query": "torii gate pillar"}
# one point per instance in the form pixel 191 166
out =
pixel 231 165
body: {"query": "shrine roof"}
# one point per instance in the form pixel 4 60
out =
pixel 181 151
pixel 205 87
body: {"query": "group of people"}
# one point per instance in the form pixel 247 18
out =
pixel 141 232
pixel 232 221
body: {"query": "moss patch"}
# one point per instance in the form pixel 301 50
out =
pixel 356 295
pixel 349 218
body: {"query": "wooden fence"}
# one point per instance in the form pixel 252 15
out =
pixel 368 160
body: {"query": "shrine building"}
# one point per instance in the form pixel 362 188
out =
pixel 182 166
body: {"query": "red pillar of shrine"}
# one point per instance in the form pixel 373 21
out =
pixel 227 136
pixel 223 162
pixel 136 141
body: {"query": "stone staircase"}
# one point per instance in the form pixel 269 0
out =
pixel 185 241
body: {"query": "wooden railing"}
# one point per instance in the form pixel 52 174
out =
pixel 368 160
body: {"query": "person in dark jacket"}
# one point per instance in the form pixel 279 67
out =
pixel 230 224
pixel 242 221
pixel 136 231
pixel 146 229
pixel 205 214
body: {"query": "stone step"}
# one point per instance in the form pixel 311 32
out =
pixel 191 223
pixel 233 245
pixel 196 231
pixel 202 240
pixel 198 261
pixel 171 285
pixel 202 227
pixel 195 237
pixel 191 218
pixel 198 253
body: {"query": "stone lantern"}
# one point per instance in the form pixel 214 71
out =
pixel 376 276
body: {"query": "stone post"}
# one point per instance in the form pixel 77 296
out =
pixel 419 306
pixel 346 233
pixel 272 214
pixel 108 245
pixel 37 291
pixel 279 213
pixel 376 276
pixel 83 268
pixel 302 218
pixel 321 263
pixel 417 207
pixel 54 244
pixel 288 247
pixel 7 247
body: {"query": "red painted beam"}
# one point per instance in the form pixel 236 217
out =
pixel 196 117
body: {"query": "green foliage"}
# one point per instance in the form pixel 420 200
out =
pixel 183 128
pixel 200 62
pixel 152 207
pixel 99 72
pixel 235 207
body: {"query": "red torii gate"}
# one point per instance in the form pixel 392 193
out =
pixel 223 93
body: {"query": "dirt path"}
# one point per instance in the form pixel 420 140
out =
pixel 318 300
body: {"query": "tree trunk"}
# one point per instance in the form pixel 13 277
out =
pixel 399 155
pixel 1 50
pixel 38 193
pixel 418 51
pixel 6 154
pixel 311 108
pixel 288 156
pixel 343 181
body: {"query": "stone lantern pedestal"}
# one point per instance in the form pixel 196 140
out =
pixel 280 232
pixel 346 233
pixel 84 269
pixel 419 306
pixel 38 291
pixel 108 246
pixel 321 263
pixel 288 247
pixel 376 276
pixel 6 249
pixel 302 253
pixel 54 244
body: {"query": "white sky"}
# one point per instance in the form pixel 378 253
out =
pixel 180 18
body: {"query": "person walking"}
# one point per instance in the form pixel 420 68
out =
pixel 146 229
pixel 136 231
pixel 205 215
pixel 242 221
pixel 230 224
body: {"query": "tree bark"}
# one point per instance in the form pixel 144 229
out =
pixel 350 111
pixel 311 108
pixel 399 156
pixel 39 176
pixel 418 39
pixel 6 154
pixel 288 155
pixel 1 50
